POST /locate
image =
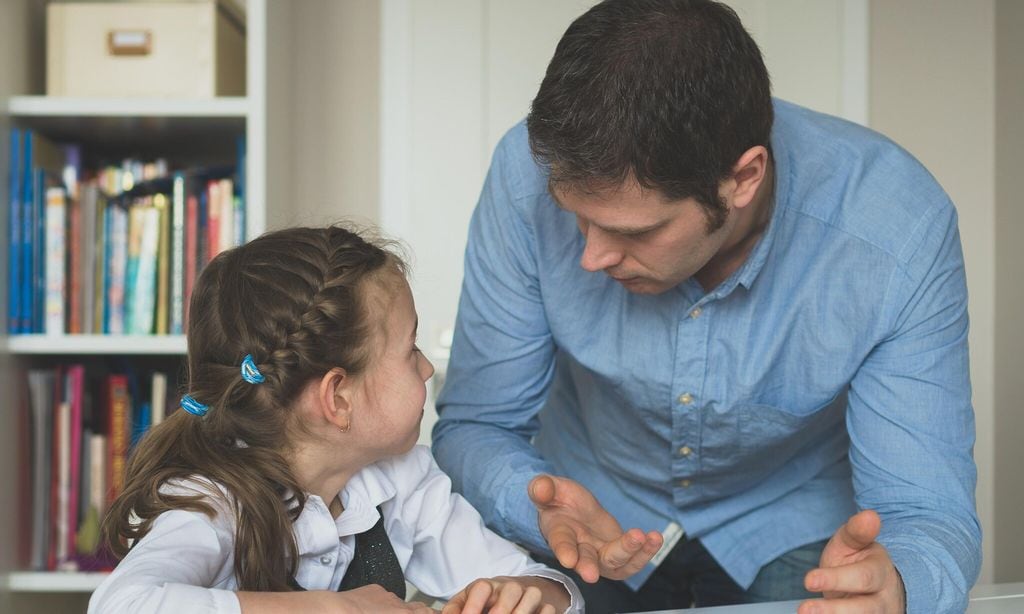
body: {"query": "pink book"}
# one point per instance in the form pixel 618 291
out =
pixel 191 251
pixel 76 385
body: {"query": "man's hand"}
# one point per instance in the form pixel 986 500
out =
pixel 856 573
pixel 585 537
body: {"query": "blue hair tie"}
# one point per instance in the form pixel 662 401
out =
pixel 193 406
pixel 249 371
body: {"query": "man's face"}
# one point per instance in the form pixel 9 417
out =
pixel 640 239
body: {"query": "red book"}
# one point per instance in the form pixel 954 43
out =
pixel 212 219
pixel 191 250
pixel 119 412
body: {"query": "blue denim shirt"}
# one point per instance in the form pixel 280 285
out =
pixel 828 374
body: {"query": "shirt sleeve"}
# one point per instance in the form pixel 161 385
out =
pixel 451 547
pixel 169 569
pixel 911 423
pixel 502 359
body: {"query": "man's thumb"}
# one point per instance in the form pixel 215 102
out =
pixel 860 530
pixel 542 490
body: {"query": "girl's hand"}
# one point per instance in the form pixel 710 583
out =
pixel 504 595
pixel 373 599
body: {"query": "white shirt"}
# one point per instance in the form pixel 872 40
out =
pixel 186 562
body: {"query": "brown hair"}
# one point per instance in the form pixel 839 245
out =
pixel 296 300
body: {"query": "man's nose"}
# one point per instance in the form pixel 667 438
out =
pixel 600 251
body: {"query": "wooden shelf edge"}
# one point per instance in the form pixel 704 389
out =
pixel 95 344
pixel 58 106
pixel 53 581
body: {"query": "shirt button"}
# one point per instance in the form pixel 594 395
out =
pixel 696 312
pixel 685 451
pixel 684 483
pixel 326 560
pixel 685 398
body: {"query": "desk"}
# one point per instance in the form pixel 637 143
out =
pixel 986 599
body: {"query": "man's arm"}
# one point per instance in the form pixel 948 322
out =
pixel 911 424
pixel 498 377
pixel 501 362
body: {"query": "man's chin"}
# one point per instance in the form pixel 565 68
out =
pixel 642 285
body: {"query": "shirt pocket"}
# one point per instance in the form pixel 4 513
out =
pixel 770 436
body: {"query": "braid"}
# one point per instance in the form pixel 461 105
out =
pixel 294 300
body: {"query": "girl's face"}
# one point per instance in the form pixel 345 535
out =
pixel 393 389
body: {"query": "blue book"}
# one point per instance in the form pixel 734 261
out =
pixel 27 237
pixel 41 165
pixel 14 229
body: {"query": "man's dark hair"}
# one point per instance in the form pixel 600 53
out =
pixel 669 92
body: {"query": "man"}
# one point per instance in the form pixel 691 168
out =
pixel 733 323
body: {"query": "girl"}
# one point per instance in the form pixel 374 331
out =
pixel 290 481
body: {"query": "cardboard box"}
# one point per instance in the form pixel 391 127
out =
pixel 183 49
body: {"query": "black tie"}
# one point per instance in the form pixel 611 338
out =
pixel 373 562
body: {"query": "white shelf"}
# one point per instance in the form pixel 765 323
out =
pixel 53 581
pixel 58 106
pixel 96 344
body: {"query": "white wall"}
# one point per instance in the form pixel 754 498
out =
pixel 933 91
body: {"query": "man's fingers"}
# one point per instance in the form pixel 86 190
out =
pixel 542 490
pixel 648 546
pixel 588 564
pixel 867 576
pixel 849 605
pixel 564 544
pixel 860 531
pixel 619 552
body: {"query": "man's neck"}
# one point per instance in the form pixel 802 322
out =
pixel 750 226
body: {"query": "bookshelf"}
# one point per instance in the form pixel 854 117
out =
pixel 186 128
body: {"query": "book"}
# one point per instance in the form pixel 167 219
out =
pixel 176 325
pixel 191 254
pixel 143 294
pixel 40 388
pixel 119 412
pixel 117 261
pixel 88 203
pixel 163 255
pixel 56 243
pixel 158 397
pixel 75 393
pixel 14 233
pixel 41 165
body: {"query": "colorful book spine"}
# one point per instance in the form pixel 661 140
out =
pixel 117 264
pixel 144 286
pixel 119 413
pixel 163 255
pixel 177 256
pixel 55 237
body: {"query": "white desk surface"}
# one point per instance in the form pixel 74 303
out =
pixel 985 599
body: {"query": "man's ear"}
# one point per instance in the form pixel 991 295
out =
pixel 748 174
pixel 335 398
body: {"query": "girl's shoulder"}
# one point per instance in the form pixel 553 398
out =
pixel 205 490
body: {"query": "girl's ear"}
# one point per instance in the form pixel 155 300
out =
pixel 335 398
